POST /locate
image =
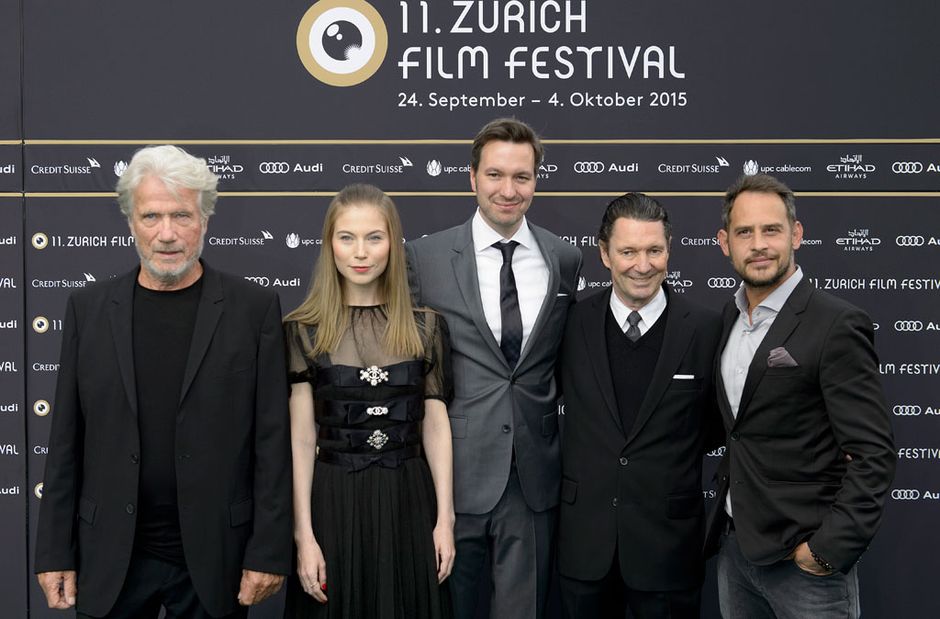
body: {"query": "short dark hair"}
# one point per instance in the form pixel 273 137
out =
pixel 506 130
pixel 634 205
pixel 759 183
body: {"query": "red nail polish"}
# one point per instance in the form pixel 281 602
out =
pixel 323 586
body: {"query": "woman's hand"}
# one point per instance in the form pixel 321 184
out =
pixel 444 549
pixel 311 569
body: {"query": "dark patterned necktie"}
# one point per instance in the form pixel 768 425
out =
pixel 511 340
pixel 634 331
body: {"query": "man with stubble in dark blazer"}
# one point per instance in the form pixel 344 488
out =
pixel 636 373
pixel 168 476
pixel 810 454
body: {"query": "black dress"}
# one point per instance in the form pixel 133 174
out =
pixel 373 503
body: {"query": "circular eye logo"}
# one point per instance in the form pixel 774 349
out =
pixel 42 408
pixel 342 42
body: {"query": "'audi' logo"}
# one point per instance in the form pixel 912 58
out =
pixel 907 167
pixel 906 410
pixel 274 167
pixel 260 280
pixel 589 167
pixel 905 494
pixel 721 282
pixel 909 241
pixel 908 325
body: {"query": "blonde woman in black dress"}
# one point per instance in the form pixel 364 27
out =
pixel 372 464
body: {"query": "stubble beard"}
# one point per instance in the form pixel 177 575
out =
pixel 170 277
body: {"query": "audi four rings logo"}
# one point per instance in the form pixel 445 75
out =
pixel 905 494
pixel 908 325
pixel 907 167
pixel 721 282
pixel 274 167
pixel 909 241
pixel 260 280
pixel 906 410
pixel 589 167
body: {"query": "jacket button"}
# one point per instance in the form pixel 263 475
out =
pixel 129 508
pixel 506 428
pixel 615 502
pixel 735 436
pixel 135 458
pixel 624 461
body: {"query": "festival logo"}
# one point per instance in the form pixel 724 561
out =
pixel 342 42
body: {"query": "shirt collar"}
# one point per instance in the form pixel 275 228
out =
pixel 775 299
pixel 484 236
pixel 649 313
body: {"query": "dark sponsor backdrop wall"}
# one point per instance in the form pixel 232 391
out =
pixel 674 98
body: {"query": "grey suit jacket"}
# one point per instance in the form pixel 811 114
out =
pixel 497 409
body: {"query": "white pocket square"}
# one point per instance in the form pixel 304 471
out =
pixel 684 377
pixel 562 294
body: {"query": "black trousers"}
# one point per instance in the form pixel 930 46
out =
pixel 151 584
pixel 610 598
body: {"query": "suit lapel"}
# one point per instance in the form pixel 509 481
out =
pixel 595 338
pixel 676 341
pixel 784 324
pixel 121 317
pixel 729 315
pixel 544 240
pixel 207 317
pixel 465 272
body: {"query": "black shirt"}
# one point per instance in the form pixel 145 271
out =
pixel 163 325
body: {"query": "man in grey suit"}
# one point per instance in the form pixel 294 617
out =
pixel 504 286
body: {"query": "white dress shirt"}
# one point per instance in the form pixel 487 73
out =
pixel 746 336
pixel 528 267
pixel 649 313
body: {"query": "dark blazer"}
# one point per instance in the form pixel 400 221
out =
pixel 785 452
pixel 639 492
pixel 497 408
pixel 232 444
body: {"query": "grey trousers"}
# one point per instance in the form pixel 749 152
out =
pixel 518 542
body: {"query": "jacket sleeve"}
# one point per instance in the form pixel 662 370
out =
pixel 56 541
pixel 860 422
pixel 269 548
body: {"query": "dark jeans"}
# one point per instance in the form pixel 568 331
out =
pixel 748 591
pixel 151 583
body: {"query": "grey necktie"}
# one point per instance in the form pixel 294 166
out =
pixel 634 331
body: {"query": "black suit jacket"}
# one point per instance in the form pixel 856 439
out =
pixel 640 493
pixel 232 444
pixel 785 452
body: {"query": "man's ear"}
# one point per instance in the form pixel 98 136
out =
pixel 723 241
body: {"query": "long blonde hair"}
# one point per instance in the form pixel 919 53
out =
pixel 325 305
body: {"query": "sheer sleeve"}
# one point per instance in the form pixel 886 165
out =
pixel 438 381
pixel 299 340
